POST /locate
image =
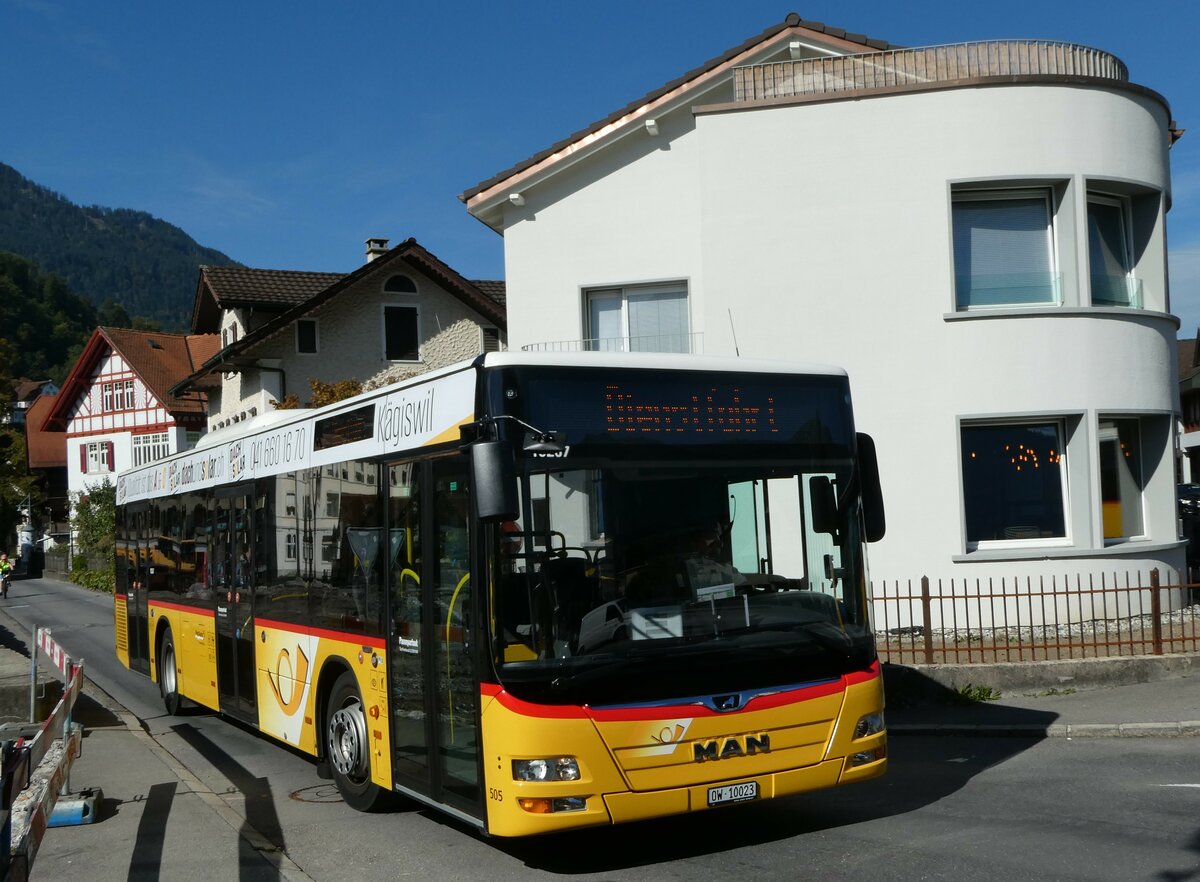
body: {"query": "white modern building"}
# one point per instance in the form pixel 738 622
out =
pixel 976 232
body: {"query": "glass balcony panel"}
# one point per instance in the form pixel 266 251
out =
pixel 1008 289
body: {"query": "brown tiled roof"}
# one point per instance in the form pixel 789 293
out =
pixel 242 286
pixel 793 20
pixel 161 360
pixel 44 450
pixel 24 389
pixel 202 347
pixel 492 288
pixel 1187 358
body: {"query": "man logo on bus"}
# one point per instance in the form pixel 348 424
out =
pixel 737 745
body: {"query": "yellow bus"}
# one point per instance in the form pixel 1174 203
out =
pixel 537 592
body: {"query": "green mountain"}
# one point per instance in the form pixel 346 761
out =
pixel 142 264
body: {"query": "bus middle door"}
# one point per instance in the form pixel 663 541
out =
pixel 137 587
pixel 232 578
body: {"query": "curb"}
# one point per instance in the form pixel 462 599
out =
pixel 1182 729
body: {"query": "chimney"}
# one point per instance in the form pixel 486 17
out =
pixel 376 247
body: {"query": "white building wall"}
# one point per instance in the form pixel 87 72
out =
pixel 351 345
pixel 824 228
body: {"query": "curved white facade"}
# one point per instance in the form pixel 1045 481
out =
pixel 824 230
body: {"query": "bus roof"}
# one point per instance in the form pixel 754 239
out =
pixel 403 417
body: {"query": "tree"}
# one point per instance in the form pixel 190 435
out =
pixel 94 519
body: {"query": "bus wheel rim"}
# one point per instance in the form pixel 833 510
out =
pixel 348 740
pixel 168 670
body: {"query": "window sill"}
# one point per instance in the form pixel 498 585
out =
pixel 1049 311
pixel 1066 552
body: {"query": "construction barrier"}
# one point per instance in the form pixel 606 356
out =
pixel 35 764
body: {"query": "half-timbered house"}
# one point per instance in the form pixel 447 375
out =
pixel 116 409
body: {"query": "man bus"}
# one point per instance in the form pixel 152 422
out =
pixel 535 592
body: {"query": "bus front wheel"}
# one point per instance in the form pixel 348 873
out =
pixel 168 674
pixel 347 747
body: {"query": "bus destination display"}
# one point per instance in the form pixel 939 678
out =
pixel 708 410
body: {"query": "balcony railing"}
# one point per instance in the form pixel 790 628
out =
pixel 690 344
pixel 929 66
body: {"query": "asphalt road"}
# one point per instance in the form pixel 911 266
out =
pixel 950 808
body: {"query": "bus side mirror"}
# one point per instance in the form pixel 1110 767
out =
pixel 872 492
pixel 494 481
pixel 824 504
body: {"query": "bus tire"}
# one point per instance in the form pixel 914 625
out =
pixel 168 674
pixel 347 747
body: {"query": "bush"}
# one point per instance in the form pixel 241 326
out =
pixel 93 580
pixel 79 563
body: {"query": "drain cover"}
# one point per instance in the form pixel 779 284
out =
pixel 317 793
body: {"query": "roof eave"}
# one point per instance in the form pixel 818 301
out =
pixel 486 200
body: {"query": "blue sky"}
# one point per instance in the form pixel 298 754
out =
pixel 284 134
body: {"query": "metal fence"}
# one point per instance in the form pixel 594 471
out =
pixel 1034 619
pixel 927 65
pixel 689 343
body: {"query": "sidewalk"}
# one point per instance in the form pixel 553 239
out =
pixel 155 820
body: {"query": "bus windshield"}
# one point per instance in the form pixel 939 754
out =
pixel 700 576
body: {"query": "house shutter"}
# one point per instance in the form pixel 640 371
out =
pixel 108 452
pixel 83 457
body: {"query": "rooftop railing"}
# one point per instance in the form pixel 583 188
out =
pixel 928 66
pixel 686 343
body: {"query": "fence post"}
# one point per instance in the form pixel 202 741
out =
pixel 926 620
pixel 1156 612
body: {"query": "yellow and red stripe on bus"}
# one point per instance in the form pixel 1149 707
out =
pixel 642 762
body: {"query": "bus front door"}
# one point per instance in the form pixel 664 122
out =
pixel 232 578
pixel 434 684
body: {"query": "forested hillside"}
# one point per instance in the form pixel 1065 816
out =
pixel 143 264
pixel 43 326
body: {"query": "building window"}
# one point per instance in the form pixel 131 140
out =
pixel 400 333
pixel 151 448
pixel 331 505
pixel 117 396
pixel 306 336
pixel 1109 253
pixel 1004 249
pixel 400 285
pixel 329 549
pixel 1121 478
pixel 290 547
pixel 96 457
pixel 1014 482
pixel 491 339
pixel 639 319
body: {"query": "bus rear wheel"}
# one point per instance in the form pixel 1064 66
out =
pixel 347 748
pixel 168 674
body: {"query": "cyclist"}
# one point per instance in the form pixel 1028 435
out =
pixel 6 571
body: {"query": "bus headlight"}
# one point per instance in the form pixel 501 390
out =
pixel 562 768
pixel 871 724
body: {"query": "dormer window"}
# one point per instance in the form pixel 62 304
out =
pixel 400 284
